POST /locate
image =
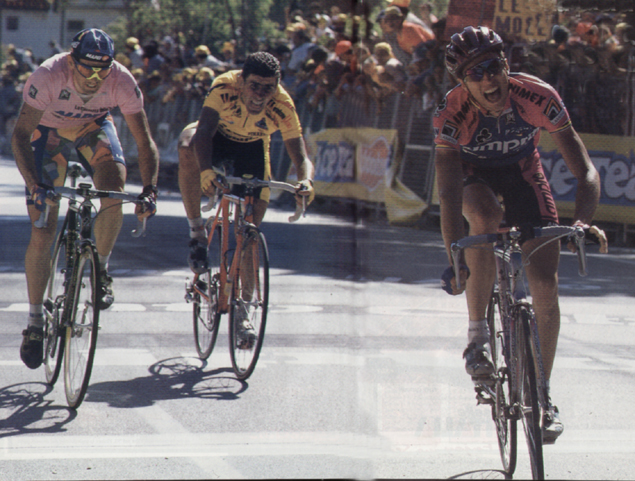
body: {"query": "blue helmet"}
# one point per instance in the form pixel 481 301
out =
pixel 93 44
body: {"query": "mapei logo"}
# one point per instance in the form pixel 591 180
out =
pixel 99 58
pixel 450 132
pixel 32 92
pixel 64 95
pixel 554 111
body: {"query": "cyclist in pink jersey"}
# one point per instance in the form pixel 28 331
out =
pixel 67 104
pixel 486 133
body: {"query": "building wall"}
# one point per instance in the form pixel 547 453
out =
pixel 35 29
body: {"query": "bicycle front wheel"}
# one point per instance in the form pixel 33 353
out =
pixel 207 312
pixel 506 423
pixel 54 308
pixel 249 301
pixel 81 334
pixel 529 406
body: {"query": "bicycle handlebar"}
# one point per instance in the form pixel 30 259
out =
pixel 88 193
pixel 573 233
pixel 254 183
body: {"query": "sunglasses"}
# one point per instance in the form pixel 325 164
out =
pixel 89 72
pixel 492 67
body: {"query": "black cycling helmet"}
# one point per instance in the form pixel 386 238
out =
pixel 93 44
pixel 469 44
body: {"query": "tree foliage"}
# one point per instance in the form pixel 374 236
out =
pixel 196 22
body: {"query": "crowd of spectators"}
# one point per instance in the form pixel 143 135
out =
pixel 326 55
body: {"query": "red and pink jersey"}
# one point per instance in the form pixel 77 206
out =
pixel 487 141
pixel 50 88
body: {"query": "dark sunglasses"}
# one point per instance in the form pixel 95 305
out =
pixel 492 67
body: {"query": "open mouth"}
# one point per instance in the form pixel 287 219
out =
pixel 493 95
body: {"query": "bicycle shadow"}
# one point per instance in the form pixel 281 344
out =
pixel 24 410
pixel 169 379
pixel 483 474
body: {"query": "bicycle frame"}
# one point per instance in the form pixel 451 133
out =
pixel 519 341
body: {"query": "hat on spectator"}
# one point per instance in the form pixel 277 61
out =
pixel 132 42
pixel 393 12
pixel 205 73
pixel 93 44
pixel 400 3
pixel 343 46
pixel 201 50
pixel 559 33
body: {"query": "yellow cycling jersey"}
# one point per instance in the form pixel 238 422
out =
pixel 239 125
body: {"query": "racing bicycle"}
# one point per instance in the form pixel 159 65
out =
pixel 237 282
pixel 71 313
pixel 517 390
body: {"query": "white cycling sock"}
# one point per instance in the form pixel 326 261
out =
pixel 478 331
pixel 103 261
pixel 197 228
pixel 36 315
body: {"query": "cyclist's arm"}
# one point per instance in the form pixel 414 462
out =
pixel 579 163
pixel 148 152
pixel 296 149
pixel 449 174
pixel 27 122
pixel 202 141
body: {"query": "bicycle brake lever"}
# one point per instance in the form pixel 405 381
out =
pixel 42 221
pixel 140 230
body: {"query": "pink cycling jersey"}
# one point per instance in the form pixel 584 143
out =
pixel 486 141
pixel 50 88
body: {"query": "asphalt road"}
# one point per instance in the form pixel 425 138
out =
pixel 361 374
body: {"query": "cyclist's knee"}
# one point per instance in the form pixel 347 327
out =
pixel 110 176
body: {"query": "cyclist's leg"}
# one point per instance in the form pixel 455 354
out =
pixel 51 167
pixel 483 213
pixel 100 148
pixel 101 154
pixel 542 275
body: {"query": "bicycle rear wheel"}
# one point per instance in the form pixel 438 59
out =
pixel 506 423
pixel 249 302
pixel 206 307
pixel 529 406
pixel 81 335
pixel 54 308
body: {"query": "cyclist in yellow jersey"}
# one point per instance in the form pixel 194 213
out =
pixel 241 111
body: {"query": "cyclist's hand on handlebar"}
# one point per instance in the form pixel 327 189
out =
pixel 448 280
pixel 210 181
pixel 305 189
pixel 148 205
pixel 593 234
pixel 41 195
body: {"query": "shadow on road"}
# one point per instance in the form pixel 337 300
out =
pixel 482 474
pixel 24 410
pixel 173 378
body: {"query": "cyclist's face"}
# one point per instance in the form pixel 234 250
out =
pixel 256 91
pixel 86 79
pixel 486 79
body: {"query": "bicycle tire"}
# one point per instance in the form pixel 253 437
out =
pixel 249 300
pixel 529 406
pixel 54 305
pixel 505 422
pixel 206 309
pixel 81 334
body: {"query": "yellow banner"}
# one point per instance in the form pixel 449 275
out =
pixel 524 19
pixel 361 163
